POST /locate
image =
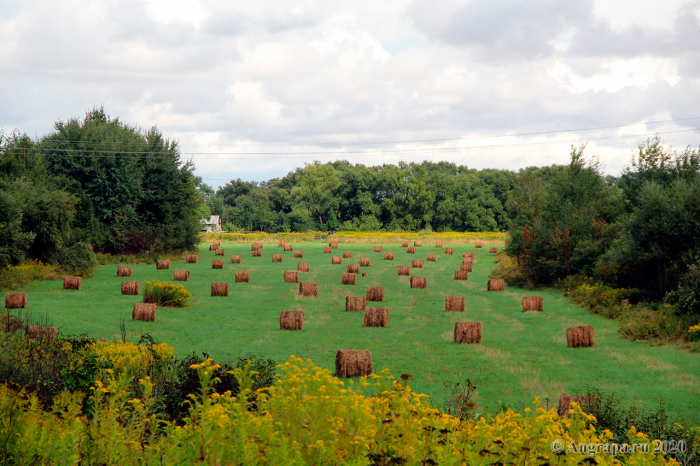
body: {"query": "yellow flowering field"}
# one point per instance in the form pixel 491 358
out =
pixel 376 237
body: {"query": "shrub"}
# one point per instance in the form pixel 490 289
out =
pixel 13 277
pixel 687 298
pixel 78 259
pixel 694 333
pixel 165 294
pixel 593 295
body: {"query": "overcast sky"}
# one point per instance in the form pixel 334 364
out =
pixel 367 81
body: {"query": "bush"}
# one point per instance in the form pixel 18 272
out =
pixel 14 277
pixel 694 333
pixel 165 294
pixel 593 295
pixel 686 299
pixel 509 271
pixel 78 259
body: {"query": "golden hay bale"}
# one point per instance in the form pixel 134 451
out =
pixel 217 242
pixel 449 250
pixel 461 275
pixel 479 244
pixel 304 267
pixel 277 258
pixel 431 257
pixel 365 262
pixel 378 249
pixel 349 278
pixel 468 260
pixel 496 285
pixel 219 252
pixel 257 253
pixel 468 255
pixel 327 250
pixel 353 363
pixel 454 303
pixel 144 311
pixel 308 289
pixel 467 332
pixel 181 276
pixel 255 246
pixel 466 267
pixel 493 250
pixel 533 303
pixel 353 268
pixel 333 245
pixel 411 250
pixel 417 264
pixel 404 270
pixel 16 300
pixel 219 289
pixel 375 293
pixel 291 277
pixel 566 400
pixel 354 303
pixel 217 264
pixel 364 274
pixel 281 244
pixel 242 276
pixel 419 282
pixel 418 243
pixel 236 259
pixel 191 259
pixel 213 247
pixel 336 260
pixel 581 336
pixel 162 265
pixel 347 254
pixel 292 320
pixel 376 317
pixel 130 288
pixel 288 248
pixel 36 331
pixel 405 244
pixel 72 283
pixel 299 254
pixel 439 244
pixel 388 256
pixel 123 271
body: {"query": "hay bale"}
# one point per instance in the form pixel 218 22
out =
pixel 418 243
pixel 461 275
pixel 144 311
pixel 36 331
pixel 353 268
pixel 16 300
pixel 431 257
pixel 162 265
pixel 376 317
pixel 308 289
pixel 219 252
pixel 378 249
pixel 349 278
pixel 181 276
pixel 419 282
pixel 327 250
pixel 256 246
pixel 404 270
pixel 479 244
pixel 191 259
pixel 347 254
pixel 354 303
pixel 72 283
pixel 292 320
pixel 388 256
pixel 257 253
pixel 130 288
pixel 217 242
pixel 449 250
pixel 580 337
pixel 466 267
pixel 217 264
pixel 336 260
pixel 493 250
pixel 454 303
pixel 566 400
pixel 467 332
pixel 277 258
pixel 304 267
pixel 417 264
pixel 299 254
pixel 281 244
pixel 364 274
pixel 410 250
pixel 213 247
pixel 242 276
pixel 375 293
pixel 496 285
pixel 123 271
pixel 333 245
pixel 288 248
pixel 439 244
pixel 533 303
pixel 353 363
pixel 405 244
pixel 220 289
pixel 236 259
pixel 468 255
pixel 365 262
pixel 291 277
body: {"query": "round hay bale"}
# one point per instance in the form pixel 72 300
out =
pixel 213 247
pixel 123 271
pixel 566 400
pixel 277 258
pixel 580 337
pixel 378 249
pixel 291 277
pixel 347 254
pixel 191 259
pixel 465 267
pixel 353 268
pixel 304 267
pixel 299 254
pixel 72 283
pixel 461 275
pixel 308 289
pixel 336 260
pixel 219 289
pixel 376 317
pixel 449 250
pixel 162 265
pixel 439 244
pixel 292 320
pixel 217 264
pixel 281 244
pixel 496 285
pixel 468 255
pixel 493 250
pixel 219 252
pixel 242 276
pixel 431 257
pixel 417 264
pixel 404 270
pixel 288 248
pixel 144 311
pixel 467 332
pixel 388 256
pixel 256 246
pixel 375 293
pixel 405 244
pixel 419 282
pixel 353 303
pixel 236 259
pixel 454 303
pixel 37 332
pixel 349 278
pixel 364 274
pixel 353 363
pixel 130 288
pixel 16 300
pixel 479 244
pixel 257 253
pixel 365 262
pixel 410 250
pixel 418 243
pixel 182 275
pixel 217 242
pixel 533 303
pixel 333 245
pixel 327 250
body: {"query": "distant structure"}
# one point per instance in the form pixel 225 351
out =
pixel 211 225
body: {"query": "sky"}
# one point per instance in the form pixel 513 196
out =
pixel 253 90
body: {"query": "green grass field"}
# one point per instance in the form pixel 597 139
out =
pixel 522 355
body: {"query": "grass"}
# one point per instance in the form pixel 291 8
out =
pixel 522 355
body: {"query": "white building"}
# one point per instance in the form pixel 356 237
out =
pixel 211 225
